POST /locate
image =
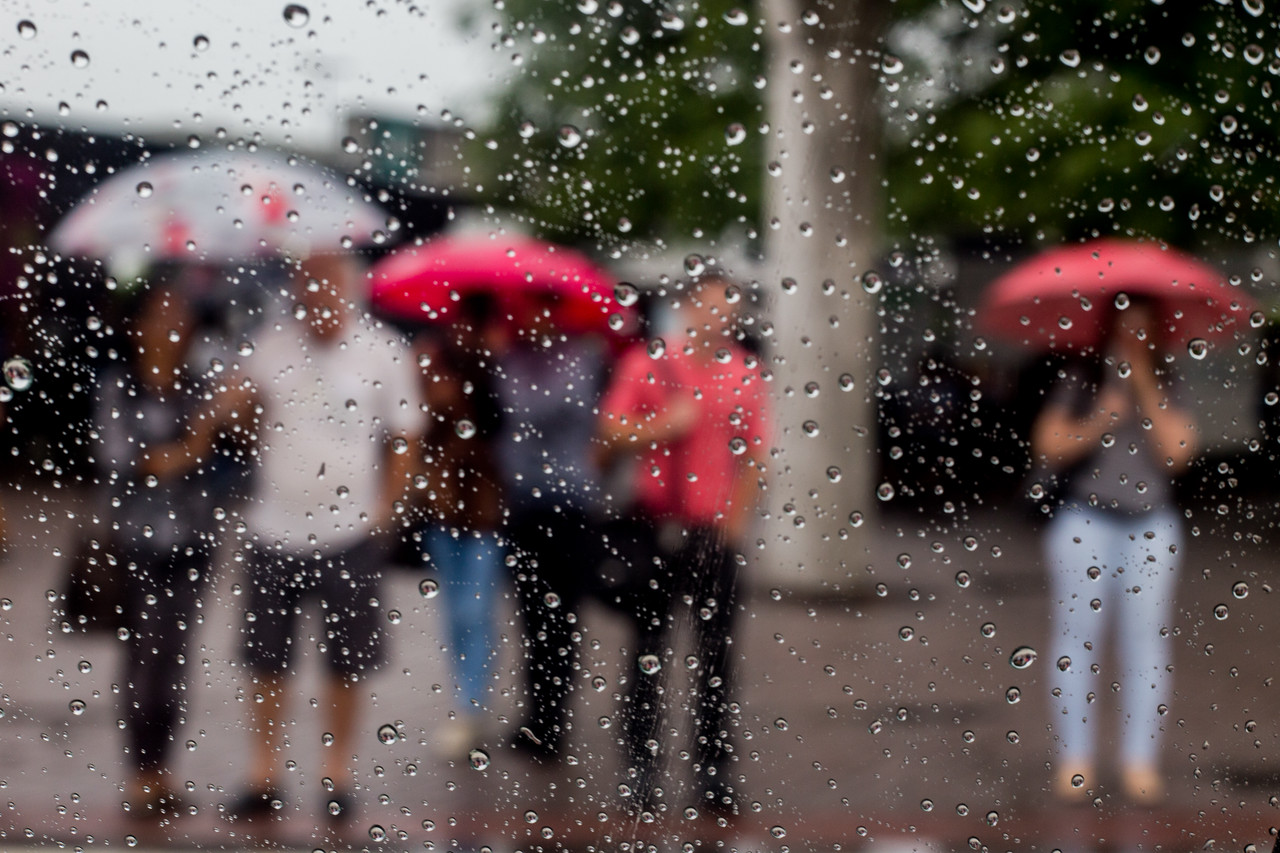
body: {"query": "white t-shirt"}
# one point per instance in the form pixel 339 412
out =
pixel 330 410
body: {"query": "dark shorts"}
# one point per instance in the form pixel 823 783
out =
pixel 347 632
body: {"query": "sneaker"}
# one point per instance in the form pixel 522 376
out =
pixel 256 803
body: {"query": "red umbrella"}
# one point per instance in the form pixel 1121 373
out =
pixel 421 282
pixel 1063 298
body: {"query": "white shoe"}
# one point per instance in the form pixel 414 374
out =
pixel 457 738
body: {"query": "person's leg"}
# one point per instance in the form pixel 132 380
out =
pixel 1150 557
pixel 163 593
pixel 353 649
pixel 647 608
pixel 471 617
pixel 712 569
pixel 553 561
pixel 1077 557
pixel 276 585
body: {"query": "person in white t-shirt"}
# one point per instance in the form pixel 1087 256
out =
pixel 338 408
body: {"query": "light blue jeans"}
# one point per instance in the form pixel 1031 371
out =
pixel 1135 559
pixel 469 571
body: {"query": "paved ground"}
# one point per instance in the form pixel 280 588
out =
pixel 850 735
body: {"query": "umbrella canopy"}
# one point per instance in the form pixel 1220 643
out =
pixel 1064 298
pixel 420 283
pixel 215 207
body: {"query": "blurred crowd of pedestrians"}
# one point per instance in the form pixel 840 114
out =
pixel 508 450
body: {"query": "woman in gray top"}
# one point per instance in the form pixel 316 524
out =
pixel 162 497
pixel 1113 549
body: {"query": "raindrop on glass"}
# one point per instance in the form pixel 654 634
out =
pixel 296 15
pixel 1022 657
pixel 18 374
pixel 387 733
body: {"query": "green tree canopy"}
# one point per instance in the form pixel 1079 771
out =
pixel 629 119
pixel 1047 119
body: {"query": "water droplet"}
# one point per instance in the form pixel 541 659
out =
pixel 1151 55
pixel 988 629
pixel 871 282
pixel 131 841
pixel 1077 781
pixel 963 579
pixel 478 759
pixel 1240 590
pixel 79 59
pixel 598 683
pixel 1064 663
pixel 394 617
pixel 626 294
pixel 552 600
pixel 18 374
pixel 1013 695
pixel 1220 612
pixel 377 833
pixel 906 632
pixel 1254 7
pixel 809 428
pixel 649 664
pixel 76 706
pixel 737 445
pixel 1122 301
pixel 26 29
pixel 834 474
pixel 657 348
pixel 569 136
pixel 465 428
pixel 1022 657
pixel 735 133
pixel 387 733
pixel 531 816
pixel 778 832
pixel 296 15
pixel 1070 58
pixel 695 264
pixel 429 587
pixel 200 43
pixel 1197 348
pixel 975 6
pixel 885 491
pixel 891 64
pixel 85 667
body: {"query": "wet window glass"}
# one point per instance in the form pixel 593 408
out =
pixel 529 425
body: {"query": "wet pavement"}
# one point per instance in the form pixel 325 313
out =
pixel 873 717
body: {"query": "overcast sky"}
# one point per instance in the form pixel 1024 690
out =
pixel 177 67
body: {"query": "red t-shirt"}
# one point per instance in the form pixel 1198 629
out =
pixel 692 477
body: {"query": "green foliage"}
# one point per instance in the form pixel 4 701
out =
pixel 1055 120
pixel 628 117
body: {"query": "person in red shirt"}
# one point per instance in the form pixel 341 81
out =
pixel 696 416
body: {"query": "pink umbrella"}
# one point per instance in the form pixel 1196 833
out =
pixel 1063 298
pixel 421 282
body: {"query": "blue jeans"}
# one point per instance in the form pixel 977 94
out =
pixel 469 570
pixel 1135 559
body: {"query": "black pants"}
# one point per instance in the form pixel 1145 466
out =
pixel 701 567
pixel 556 554
pixel 161 591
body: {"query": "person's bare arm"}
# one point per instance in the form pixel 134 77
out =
pixel 1061 439
pixel 229 404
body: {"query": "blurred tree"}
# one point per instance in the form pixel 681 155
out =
pixel 629 119
pixel 1046 120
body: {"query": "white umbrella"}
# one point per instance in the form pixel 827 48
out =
pixel 218 206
